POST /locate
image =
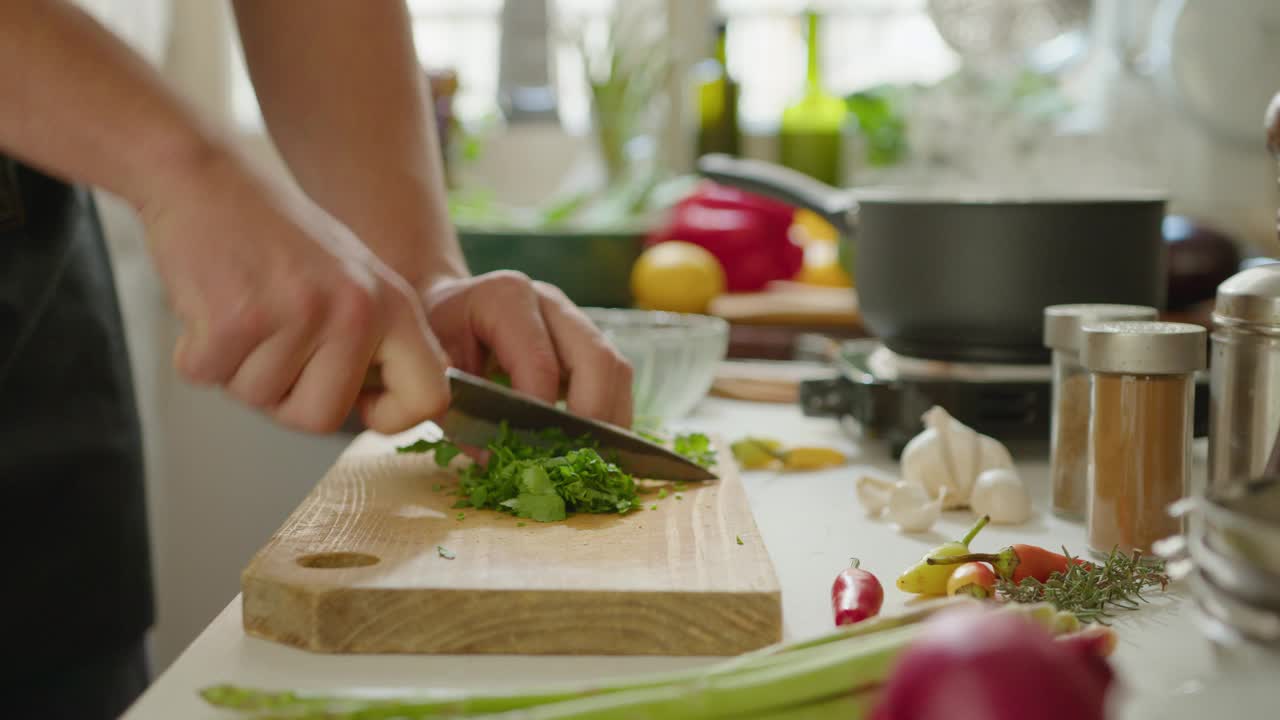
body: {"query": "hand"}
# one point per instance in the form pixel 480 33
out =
pixel 537 335
pixel 285 308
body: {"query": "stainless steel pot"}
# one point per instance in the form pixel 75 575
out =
pixel 947 277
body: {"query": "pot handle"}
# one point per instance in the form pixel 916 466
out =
pixel 836 206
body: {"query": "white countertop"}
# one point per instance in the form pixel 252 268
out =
pixel 812 524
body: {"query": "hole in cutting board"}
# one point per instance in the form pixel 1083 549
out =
pixel 332 560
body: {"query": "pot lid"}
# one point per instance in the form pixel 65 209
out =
pixel 1250 296
pixel 1143 348
pixel 1062 322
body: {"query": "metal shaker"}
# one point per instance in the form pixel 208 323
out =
pixel 1244 383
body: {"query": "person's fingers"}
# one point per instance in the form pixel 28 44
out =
pixel 412 372
pixel 210 349
pixel 599 377
pixel 272 368
pixel 507 318
pixel 331 379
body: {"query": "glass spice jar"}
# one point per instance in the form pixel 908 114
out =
pixel 1069 416
pixel 1140 429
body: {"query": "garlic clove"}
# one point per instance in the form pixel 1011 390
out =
pixel 873 493
pixel 1000 494
pixel 949 454
pixel 912 509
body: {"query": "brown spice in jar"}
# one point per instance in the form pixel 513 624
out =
pixel 1070 466
pixel 1139 459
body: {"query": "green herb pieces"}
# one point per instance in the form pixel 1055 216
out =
pixel 697 447
pixel 662 494
pixel 653 507
pixel 739 539
pixel 461 516
pixel 679 497
pixel 445 552
pixel 542 478
pixel 1092 591
pixel 444 450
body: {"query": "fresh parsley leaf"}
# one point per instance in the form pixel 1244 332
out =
pixel 445 552
pixel 697 447
pixel 540 508
pixel 444 450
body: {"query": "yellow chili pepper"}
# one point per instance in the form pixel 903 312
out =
pixel 811 458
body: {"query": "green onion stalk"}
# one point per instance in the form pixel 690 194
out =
pixel 833 675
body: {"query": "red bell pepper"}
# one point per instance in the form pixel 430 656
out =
pixel 748 233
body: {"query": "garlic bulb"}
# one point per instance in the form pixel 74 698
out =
pixel 949 454
pixel 873 493
pixel 912 509
pixel 1000 494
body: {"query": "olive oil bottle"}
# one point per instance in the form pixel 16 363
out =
pixel 811 137
pixel 718 130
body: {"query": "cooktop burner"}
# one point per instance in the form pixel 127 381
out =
pixel 885 395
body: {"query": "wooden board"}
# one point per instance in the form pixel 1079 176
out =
pixel 787 303
pixel 356 569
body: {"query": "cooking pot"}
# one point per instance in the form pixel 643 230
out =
pixel 967 277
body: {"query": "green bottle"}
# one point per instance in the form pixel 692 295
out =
pixel 718 130
pixel 812 127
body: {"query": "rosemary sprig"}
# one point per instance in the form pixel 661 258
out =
pixel 1089 590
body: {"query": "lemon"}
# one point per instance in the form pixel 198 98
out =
pixel 814 227
pixel 822 266
pixel 676 276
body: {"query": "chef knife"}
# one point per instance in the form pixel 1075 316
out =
pixel 479 407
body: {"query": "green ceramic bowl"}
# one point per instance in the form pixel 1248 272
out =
pixel 592 267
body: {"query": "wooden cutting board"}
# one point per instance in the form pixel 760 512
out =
pixel 356 569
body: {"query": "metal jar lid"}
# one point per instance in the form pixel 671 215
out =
pixel 1250 297
pixel 1143 348
pixel 1062 322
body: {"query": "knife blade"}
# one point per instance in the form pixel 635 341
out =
pixel 478 408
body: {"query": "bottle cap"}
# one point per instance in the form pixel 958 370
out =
pixel 1062 322
pixel 1143 348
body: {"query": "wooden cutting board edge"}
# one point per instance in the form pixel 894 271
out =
pixel 666 622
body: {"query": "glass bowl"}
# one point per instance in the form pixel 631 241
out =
pixel 674 357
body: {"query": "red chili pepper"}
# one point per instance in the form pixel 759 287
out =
pixel 1017 562
pixel 856 595
pixel 974 579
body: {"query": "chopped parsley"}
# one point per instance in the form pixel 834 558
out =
pixel 462 516
pixel 738 538
pixel 543 481
pixel 694 446
pixel 697 447
pixel 445 552
pixel 443 450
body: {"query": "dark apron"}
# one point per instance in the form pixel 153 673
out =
pixel 77 599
